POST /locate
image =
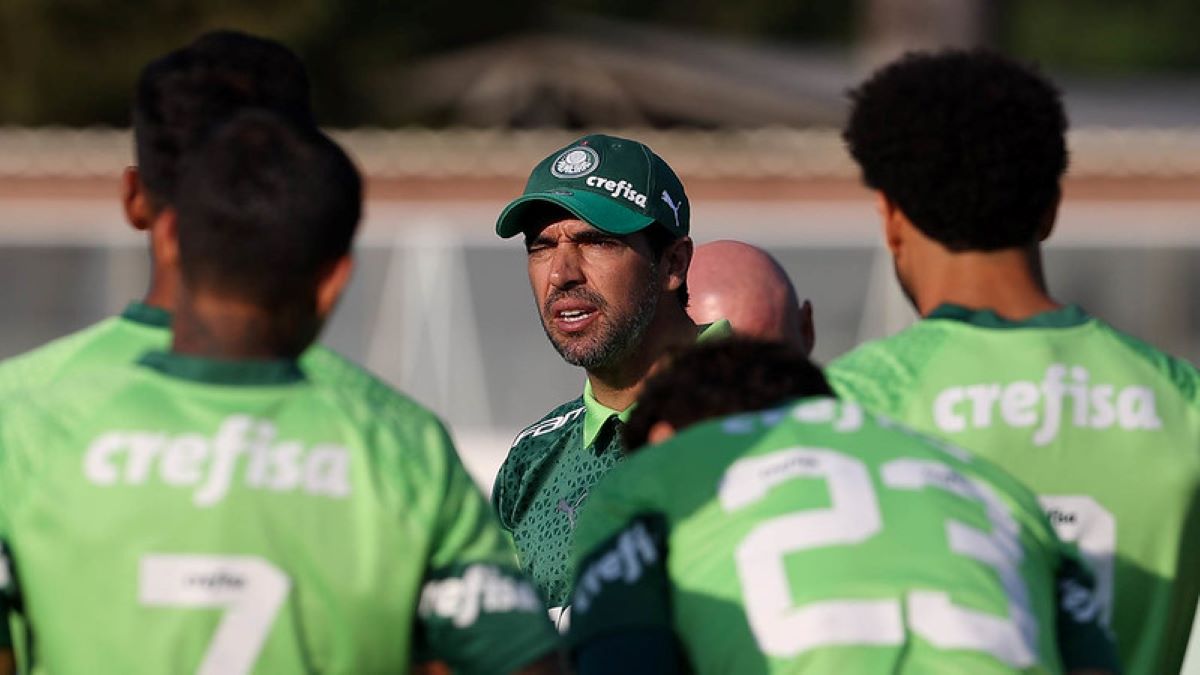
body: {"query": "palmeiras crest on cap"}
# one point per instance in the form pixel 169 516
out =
pixel 575 162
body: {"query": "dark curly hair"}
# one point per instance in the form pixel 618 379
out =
pixel 969 144
pixel 722 378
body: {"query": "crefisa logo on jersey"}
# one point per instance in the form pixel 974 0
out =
pixel 209 465
pixel 575 162
pixel 625 560
pixel 481 589
pixel 1047 405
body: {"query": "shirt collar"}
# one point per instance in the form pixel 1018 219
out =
pixel 596 414
pixel 147 315
pixel 214 371
pixel 1063 317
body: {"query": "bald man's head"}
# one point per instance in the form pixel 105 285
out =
pixel 743 283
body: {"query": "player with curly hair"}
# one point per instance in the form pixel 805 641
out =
pixel 804 535
pixel 966 152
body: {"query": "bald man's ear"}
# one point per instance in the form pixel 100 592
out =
pixel 661 431
pixel 675 261
pixel 139 207
pixel 808 330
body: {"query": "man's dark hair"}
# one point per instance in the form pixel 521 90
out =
pixel 969 144
pixel 659 238
pixel 264 209
pixel 183 95
pixel 722 378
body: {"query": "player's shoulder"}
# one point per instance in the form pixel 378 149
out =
pixel 535 446
pixel 360 393
pixel 67 402
pixel 551 427
pixel 42 364
pixel 329 369
pixel 1183 377
pixel 899 355
pixel 879 373
pixel 541 439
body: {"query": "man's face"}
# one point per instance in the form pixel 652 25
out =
pixel 596 292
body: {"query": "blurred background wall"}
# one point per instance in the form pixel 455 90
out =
pixel 446 106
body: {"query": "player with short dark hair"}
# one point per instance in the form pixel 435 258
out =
pixel 805 535
pixel 966 153
pixel 605 222
pixel 183 94
pixel 229 512
pixel 724 386
pixel 180 97
pixel 296 215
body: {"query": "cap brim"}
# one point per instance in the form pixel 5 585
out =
pixel 599 211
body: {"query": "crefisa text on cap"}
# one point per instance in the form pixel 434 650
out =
pixel 617 188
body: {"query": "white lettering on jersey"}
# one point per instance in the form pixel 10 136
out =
pixel 843 415
pixel 209 465
pixel 547 425
pixel 625 562
pixel 1046 406
pixel 481 589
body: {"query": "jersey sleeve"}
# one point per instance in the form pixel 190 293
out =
pixel 476 613
pixel 861 376
pixel 1083 640
pixel 622 588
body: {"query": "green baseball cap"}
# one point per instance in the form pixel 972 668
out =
pixel 614 184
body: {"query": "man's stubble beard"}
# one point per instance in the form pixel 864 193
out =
pixel 615 337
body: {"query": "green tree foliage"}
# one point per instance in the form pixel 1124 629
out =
pixel 74 62
pixel 1106 36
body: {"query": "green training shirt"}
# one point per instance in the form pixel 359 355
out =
pixel 139 329
pixel 1104 428
pixel 815 538
pixel 544 482
pixel 188 515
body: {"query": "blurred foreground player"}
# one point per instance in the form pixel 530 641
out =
pixel 212 510
pixel 605 223
pixel 966 152
pixel 743 284
pixel 811 537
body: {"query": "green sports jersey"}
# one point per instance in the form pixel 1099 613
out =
pixel 139 329
pixel 1104 428
pixel 186 515
pixel 542 485
pixel 544 482
pixel 815 538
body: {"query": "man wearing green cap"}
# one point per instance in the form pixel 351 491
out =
pixel 605 223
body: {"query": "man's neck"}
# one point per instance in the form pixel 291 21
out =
pixel 618 386
pixel 161 293
pixel 1008 282
pixel 226 330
